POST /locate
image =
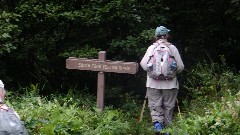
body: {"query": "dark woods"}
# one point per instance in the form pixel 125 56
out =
pixel 36 37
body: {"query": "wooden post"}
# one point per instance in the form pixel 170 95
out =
pixel 101 82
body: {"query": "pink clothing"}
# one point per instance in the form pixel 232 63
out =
pixel 162 84
pixel 4 107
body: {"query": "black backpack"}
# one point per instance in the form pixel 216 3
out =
pixel 10 124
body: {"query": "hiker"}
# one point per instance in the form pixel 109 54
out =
pixel 161 90
pixel 10 123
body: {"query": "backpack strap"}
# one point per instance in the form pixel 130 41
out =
pixel 171 54
pixel 155 46
pixel 4 107
pixel 8 109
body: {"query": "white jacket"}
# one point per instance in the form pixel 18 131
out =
pixel 162 84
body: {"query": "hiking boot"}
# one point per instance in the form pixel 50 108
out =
pixel 158 126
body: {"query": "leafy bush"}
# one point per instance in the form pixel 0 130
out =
pixel 209 79
pixel 8 31
pixel 220 117
pixel 73 114
pixel 214 109
pixel 214 106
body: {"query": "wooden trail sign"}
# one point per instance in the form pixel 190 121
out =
pixel 102 65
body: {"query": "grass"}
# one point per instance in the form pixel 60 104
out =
pixel 211 107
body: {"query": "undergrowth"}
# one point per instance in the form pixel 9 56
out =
pixel 214 107
pixel 76 114
pixel 211 107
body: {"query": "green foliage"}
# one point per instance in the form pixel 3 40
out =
pixel 219 117
pixel 212 80
pixel 234 12
pixel 37 36
pixel 214 106
pixel 72 114
pixel 47 32
pixel 85 52
pixel 133 45
pixel 9 31
pixel 208 112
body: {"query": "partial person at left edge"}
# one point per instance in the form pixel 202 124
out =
pixel 10 122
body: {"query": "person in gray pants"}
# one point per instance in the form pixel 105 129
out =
pixel 162 94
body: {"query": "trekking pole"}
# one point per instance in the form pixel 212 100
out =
pixel 144 104
pixel 179 109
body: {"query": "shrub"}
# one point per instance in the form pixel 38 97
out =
pixel 214 106
pixel 73 114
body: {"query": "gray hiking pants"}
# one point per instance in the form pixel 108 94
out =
pixel 161 103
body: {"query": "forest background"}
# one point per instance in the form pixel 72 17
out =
pixel 36 38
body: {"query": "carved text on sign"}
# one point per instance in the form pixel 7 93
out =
pixel 105 66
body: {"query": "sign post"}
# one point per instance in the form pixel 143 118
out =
pixel 101 82
pixel 101 65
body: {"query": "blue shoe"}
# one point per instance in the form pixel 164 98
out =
pixel 158 126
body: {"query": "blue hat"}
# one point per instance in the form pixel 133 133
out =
pixel 161 31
